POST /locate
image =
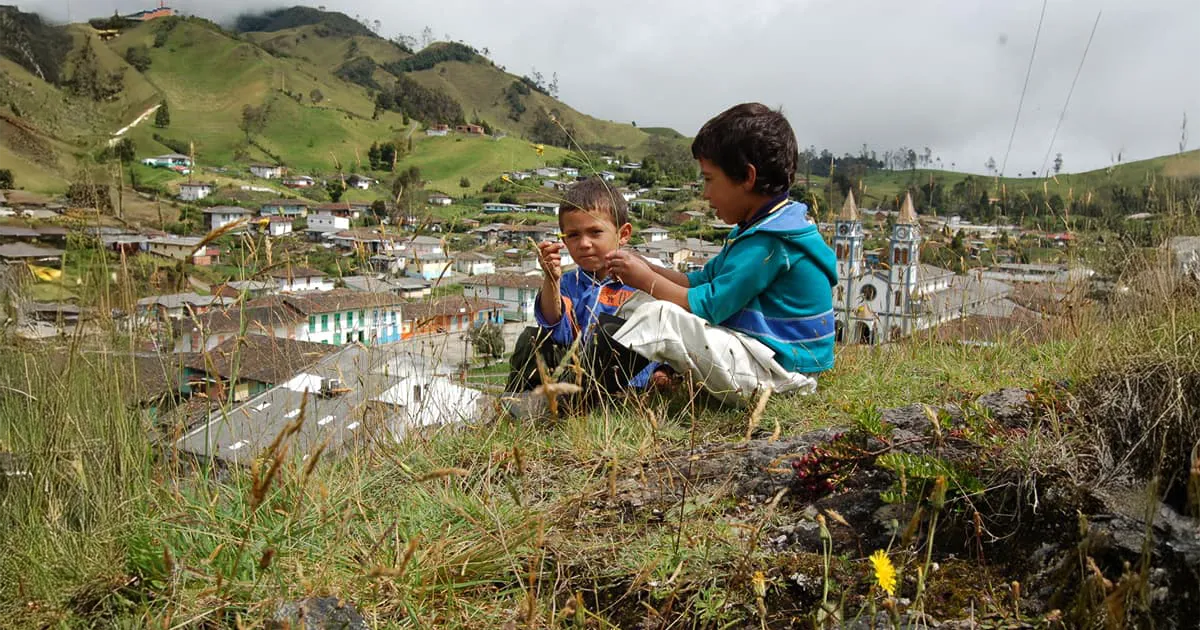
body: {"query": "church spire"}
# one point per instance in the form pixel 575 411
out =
pixel 849 209
pixel 908 215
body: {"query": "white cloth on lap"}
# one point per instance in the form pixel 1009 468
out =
pixel 729 364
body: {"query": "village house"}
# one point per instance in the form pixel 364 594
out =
pixel 368 240
pixel 432 266
pixel 474 263
pixel 608 176
pixel 570 171
pixel 437 130
pixel 177 306
pixel 168 160
pixel 547 171
pixel 687 216
pixel 189 191
pixel 678 254
pixel 496 207
pixel 342 209
pixel 296 279
pixel 252 288
pixel 517 293
pixel 299 181
pixel 439 199
pixel 330 317
pixel 396 394
pixel 627 195
pixel 276 226
pixel 387 264
pixel 268 171
pixel 556 184
pixel 16 253
pixel 518 176
pixel 451 314
pixel 642 205
pixel 543 207
pixel 218 217
pixel 420 244
pixel 321 224
pixel 409 288
pixel 18 234
pixel 631 166
pixel 469 129
pixel 654 234
pixel 249 365
pixel 361 182
pixel 186 248
pixel 294 208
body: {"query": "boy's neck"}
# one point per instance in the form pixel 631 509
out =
pixel 754 204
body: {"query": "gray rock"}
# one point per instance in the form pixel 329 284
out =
pixel 1010 407
pixel 317 613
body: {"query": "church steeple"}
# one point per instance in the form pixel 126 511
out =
pixel 904 260
pixel 848 239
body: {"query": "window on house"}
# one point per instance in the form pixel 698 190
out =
pixel 416 394
pixel 350 319
pixel 899 297
pixel 349 337
pixel 337 321
pixel 324 323
pixel 312 323
pixel 501 293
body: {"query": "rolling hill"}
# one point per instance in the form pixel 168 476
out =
pixel 288 69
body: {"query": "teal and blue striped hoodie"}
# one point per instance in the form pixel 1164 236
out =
pixel 773 280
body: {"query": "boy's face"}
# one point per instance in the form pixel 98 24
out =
pixel 733 201
pixel 589 236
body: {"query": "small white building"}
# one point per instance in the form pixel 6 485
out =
pixel 194 191
pixel 299 181
pixel 474 263
pixel 570 171
pixel 495 207
pixel 547 171
pixel 519 175
pixel 543 207
pixel 278 226
pixel 185 248
pixel 361 182
pixel 518 293
pixel 439 199
pixel 654 234
pixel 430 266
pixel 300 279
pixel 267 171
pixel 218 217
pixel 321 223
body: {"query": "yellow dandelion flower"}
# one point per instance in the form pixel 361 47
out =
pixel 505 178
pixel 540 149
pixel 885 572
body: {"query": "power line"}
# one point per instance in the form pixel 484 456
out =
pixel 1028 71
pixel 1071 91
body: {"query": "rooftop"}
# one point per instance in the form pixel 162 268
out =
pixel 507 280
pixel 259 358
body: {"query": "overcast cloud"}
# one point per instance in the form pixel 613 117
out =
pixel 946 74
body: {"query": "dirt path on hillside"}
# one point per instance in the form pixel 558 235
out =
pixel 120 132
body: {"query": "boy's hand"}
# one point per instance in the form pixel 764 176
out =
pixel 550 259
pixel 631 269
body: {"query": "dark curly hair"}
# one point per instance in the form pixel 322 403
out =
pixel 750 133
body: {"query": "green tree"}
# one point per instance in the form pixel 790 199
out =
pixel 138 57
pixel 335 188
pixel 488 340
pixel 6 179
pixel 408 191
pixel 316 96
pixel 162 117
pixel 373 155
pixel 387 156
pixel 254 120
pixel 463 182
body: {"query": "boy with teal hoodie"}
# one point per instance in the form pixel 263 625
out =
pixel 760 313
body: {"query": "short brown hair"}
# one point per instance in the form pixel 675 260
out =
pixel 750 133
pixel 595 195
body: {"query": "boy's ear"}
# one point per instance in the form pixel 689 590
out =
pixel 623 233
pixel 751 178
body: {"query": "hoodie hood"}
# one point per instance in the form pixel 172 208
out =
pixel 790 223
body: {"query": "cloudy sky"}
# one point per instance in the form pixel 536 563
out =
pixel 944 74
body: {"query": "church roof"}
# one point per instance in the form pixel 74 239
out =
pixel 849 209
pixel 908 215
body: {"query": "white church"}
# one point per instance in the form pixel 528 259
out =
pixel 901 296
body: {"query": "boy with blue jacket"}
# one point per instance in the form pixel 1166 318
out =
pixel 578 308
pixel 760 313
